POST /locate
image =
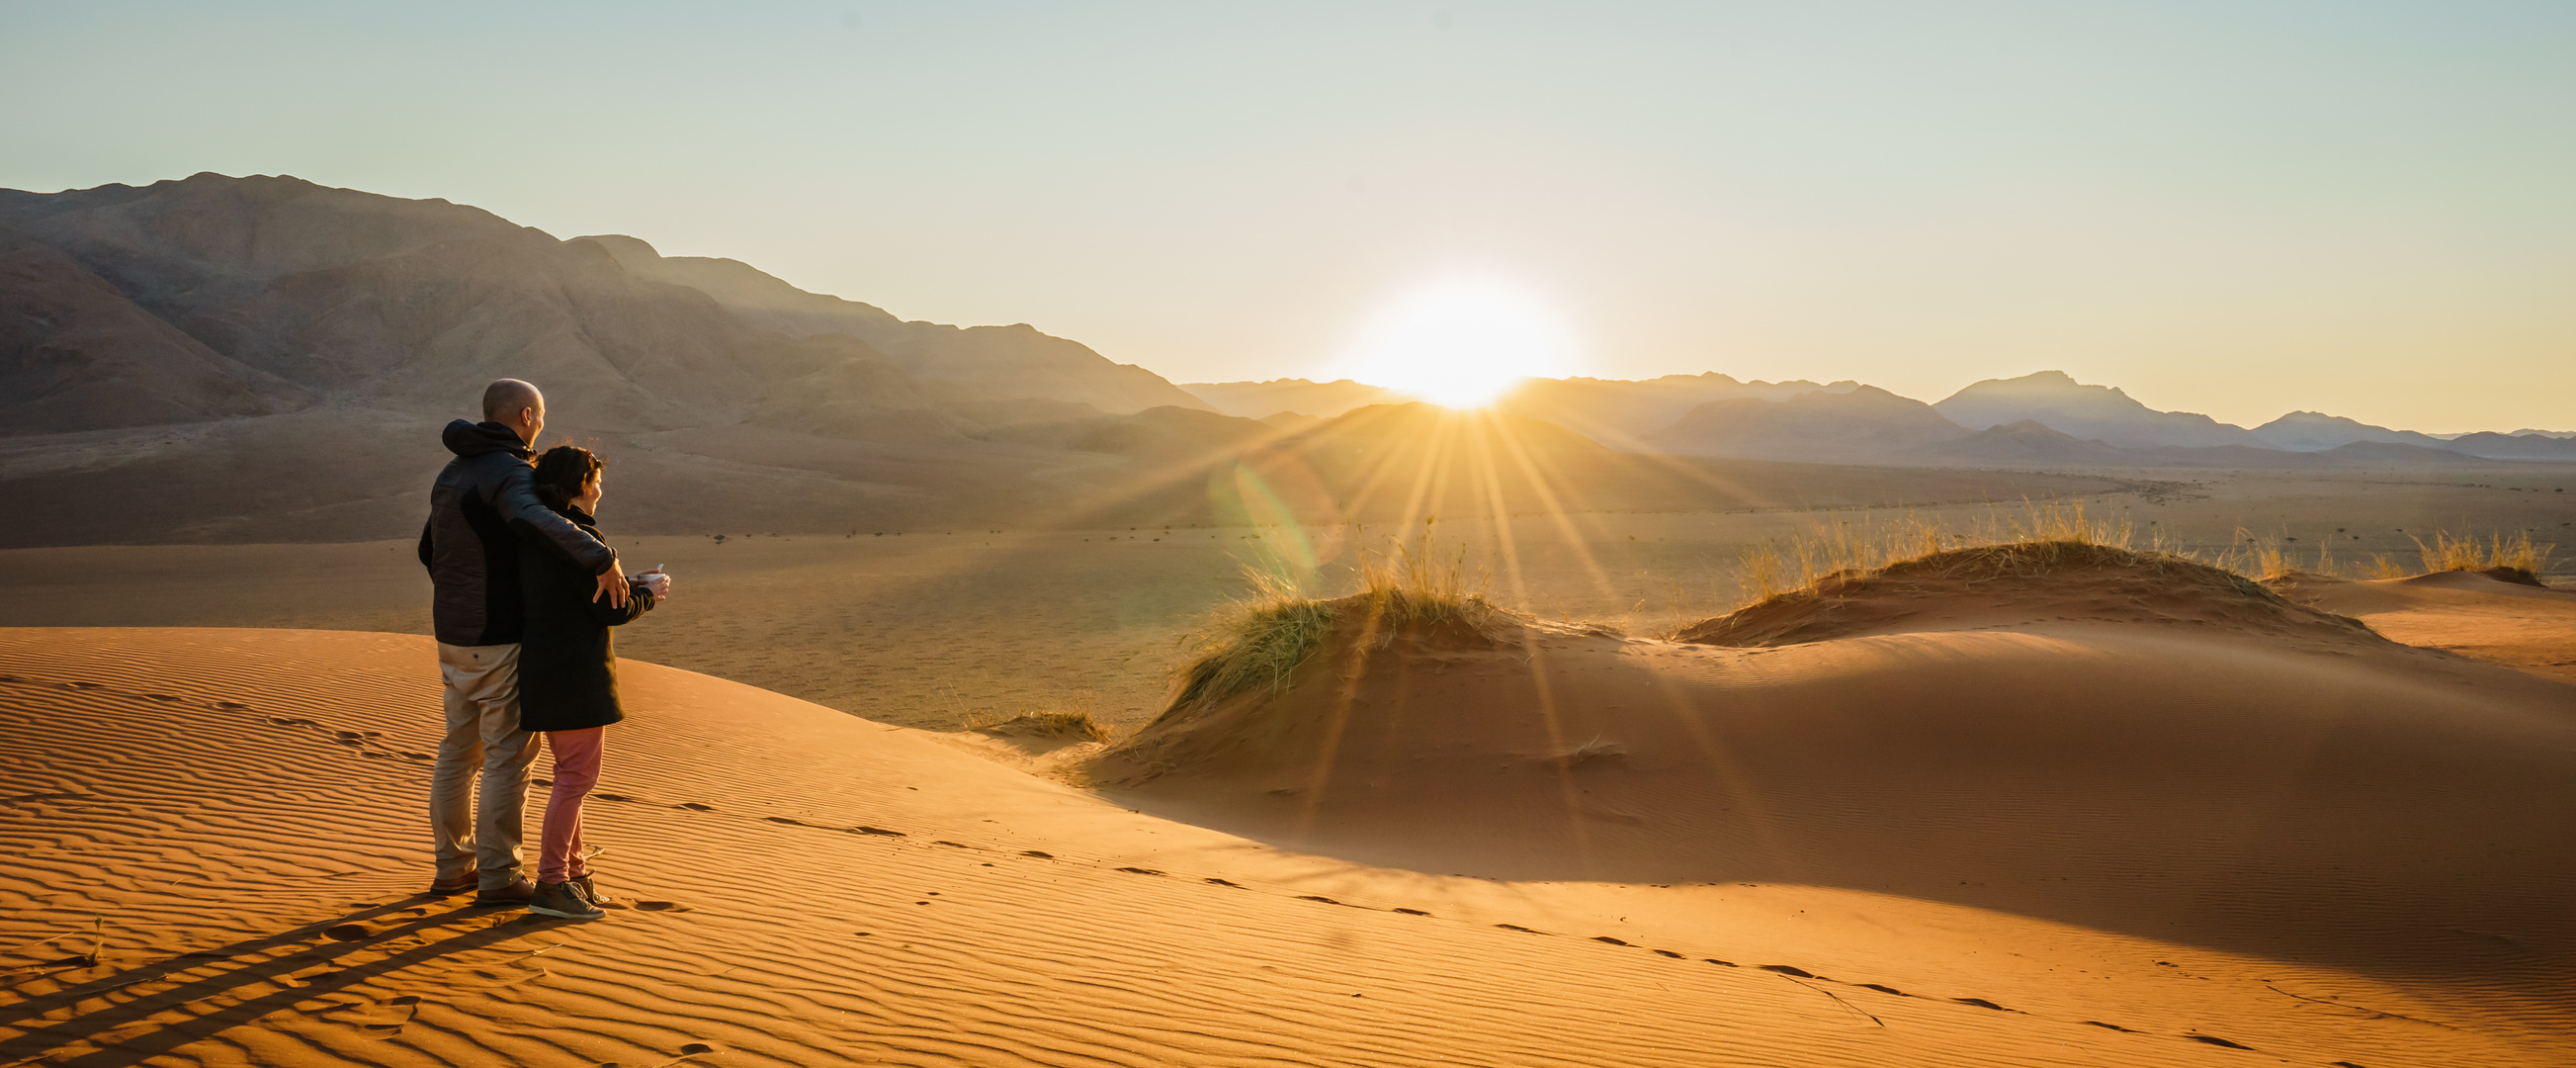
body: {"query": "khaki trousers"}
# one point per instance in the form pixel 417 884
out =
pixel 482 735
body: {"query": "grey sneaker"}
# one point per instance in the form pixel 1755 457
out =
pixel 592 893
pixel 564 901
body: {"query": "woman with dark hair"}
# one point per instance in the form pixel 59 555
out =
pixel 568 672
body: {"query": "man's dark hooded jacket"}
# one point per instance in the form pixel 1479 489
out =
pixel 472 557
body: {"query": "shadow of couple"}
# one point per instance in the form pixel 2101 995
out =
pixel 270 960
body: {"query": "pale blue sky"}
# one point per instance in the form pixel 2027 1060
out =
pixel 2368 208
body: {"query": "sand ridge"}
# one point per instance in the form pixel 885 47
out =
pixel 2310 792
pixel 813 888
pixel 2470 613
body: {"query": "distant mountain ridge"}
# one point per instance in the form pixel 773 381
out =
pixel 1014 360
pixel 2094 413
pixel 217 297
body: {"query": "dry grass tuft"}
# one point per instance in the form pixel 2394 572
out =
pixel 2465 553
pixel 1071 718
pixel 1849 548
pixel 1261 638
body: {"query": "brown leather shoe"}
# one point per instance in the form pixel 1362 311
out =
pixel 455 886
pixel 514 895
pixel 591 893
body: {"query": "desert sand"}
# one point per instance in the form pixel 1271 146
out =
pixel 928 627
pixel 2102 819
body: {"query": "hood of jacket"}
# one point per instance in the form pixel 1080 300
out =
pixel 476 439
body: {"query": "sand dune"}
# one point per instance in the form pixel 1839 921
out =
pixel 2152 754
pixel 2471 613
pixel 811 888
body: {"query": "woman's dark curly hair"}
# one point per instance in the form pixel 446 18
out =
pixel 564 472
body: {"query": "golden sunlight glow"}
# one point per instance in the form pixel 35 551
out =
pixel 1462 344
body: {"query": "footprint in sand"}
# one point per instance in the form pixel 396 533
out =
pixel 1616 942
pixel 347 932
pixel 1410 912
pixel 1038 854
pixel 879 830
pixel 2217 1041
pixel 1311 897
pixel 1981 1003
pixel 1517 927
pixel 696 807
pixel 1902 994
pixel 1789 969
pixel 418 756
pixel 610 797
pixel 290 721
pixel 661 906
pixel 1140 871
pixel 2122 1030
pixel 1721 963
pixel 232 706
pixel 788 820
pixel 695 1048
pixel 1668 953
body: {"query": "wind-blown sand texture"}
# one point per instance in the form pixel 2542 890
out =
pixel 241 808
pixel 2467 612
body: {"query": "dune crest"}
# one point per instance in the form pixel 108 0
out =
pixel 2121 742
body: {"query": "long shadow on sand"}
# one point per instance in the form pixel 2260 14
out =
pixel 474 929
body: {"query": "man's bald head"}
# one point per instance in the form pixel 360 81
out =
pixel 504 397
pixel 517 405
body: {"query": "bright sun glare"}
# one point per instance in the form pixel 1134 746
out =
pixel 1463 344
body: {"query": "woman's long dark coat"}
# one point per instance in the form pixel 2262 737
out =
pixel 567 660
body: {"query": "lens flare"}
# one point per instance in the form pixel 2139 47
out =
pixel 1463 344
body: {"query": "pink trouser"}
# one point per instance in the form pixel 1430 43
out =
pixel 576 771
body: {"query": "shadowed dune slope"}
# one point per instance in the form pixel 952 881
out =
pixel 2167 756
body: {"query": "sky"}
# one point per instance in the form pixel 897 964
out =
pixel 2238 209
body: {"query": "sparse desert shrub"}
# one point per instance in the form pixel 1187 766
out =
pixel 2383 566
pixel 2037 533
pixel 2517 554
pixel 1256 641
pixel 1069 717
pixel 1261 638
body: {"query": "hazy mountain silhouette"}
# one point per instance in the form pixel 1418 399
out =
pixel 2092 413
pixel 1009 361
pixel 1621 413
pixel 2312 431
pixel 1860 424
pixel 1255 400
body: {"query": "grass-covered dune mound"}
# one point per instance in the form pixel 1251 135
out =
pixel 2017 584
pixel 1262 644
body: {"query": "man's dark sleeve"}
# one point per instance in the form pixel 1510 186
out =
pixel 639 601
pixel 424 539
pixel 516 500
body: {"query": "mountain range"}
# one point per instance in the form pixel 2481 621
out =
pixel 264 358
pixel 2042 418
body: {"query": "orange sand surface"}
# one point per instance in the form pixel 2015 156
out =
pixel 239 815
pixel 2528 627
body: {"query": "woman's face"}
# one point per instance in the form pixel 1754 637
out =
pixel 589 499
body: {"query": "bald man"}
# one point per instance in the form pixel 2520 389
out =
pixel 473 562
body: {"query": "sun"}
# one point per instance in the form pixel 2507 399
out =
pixel 1462 344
